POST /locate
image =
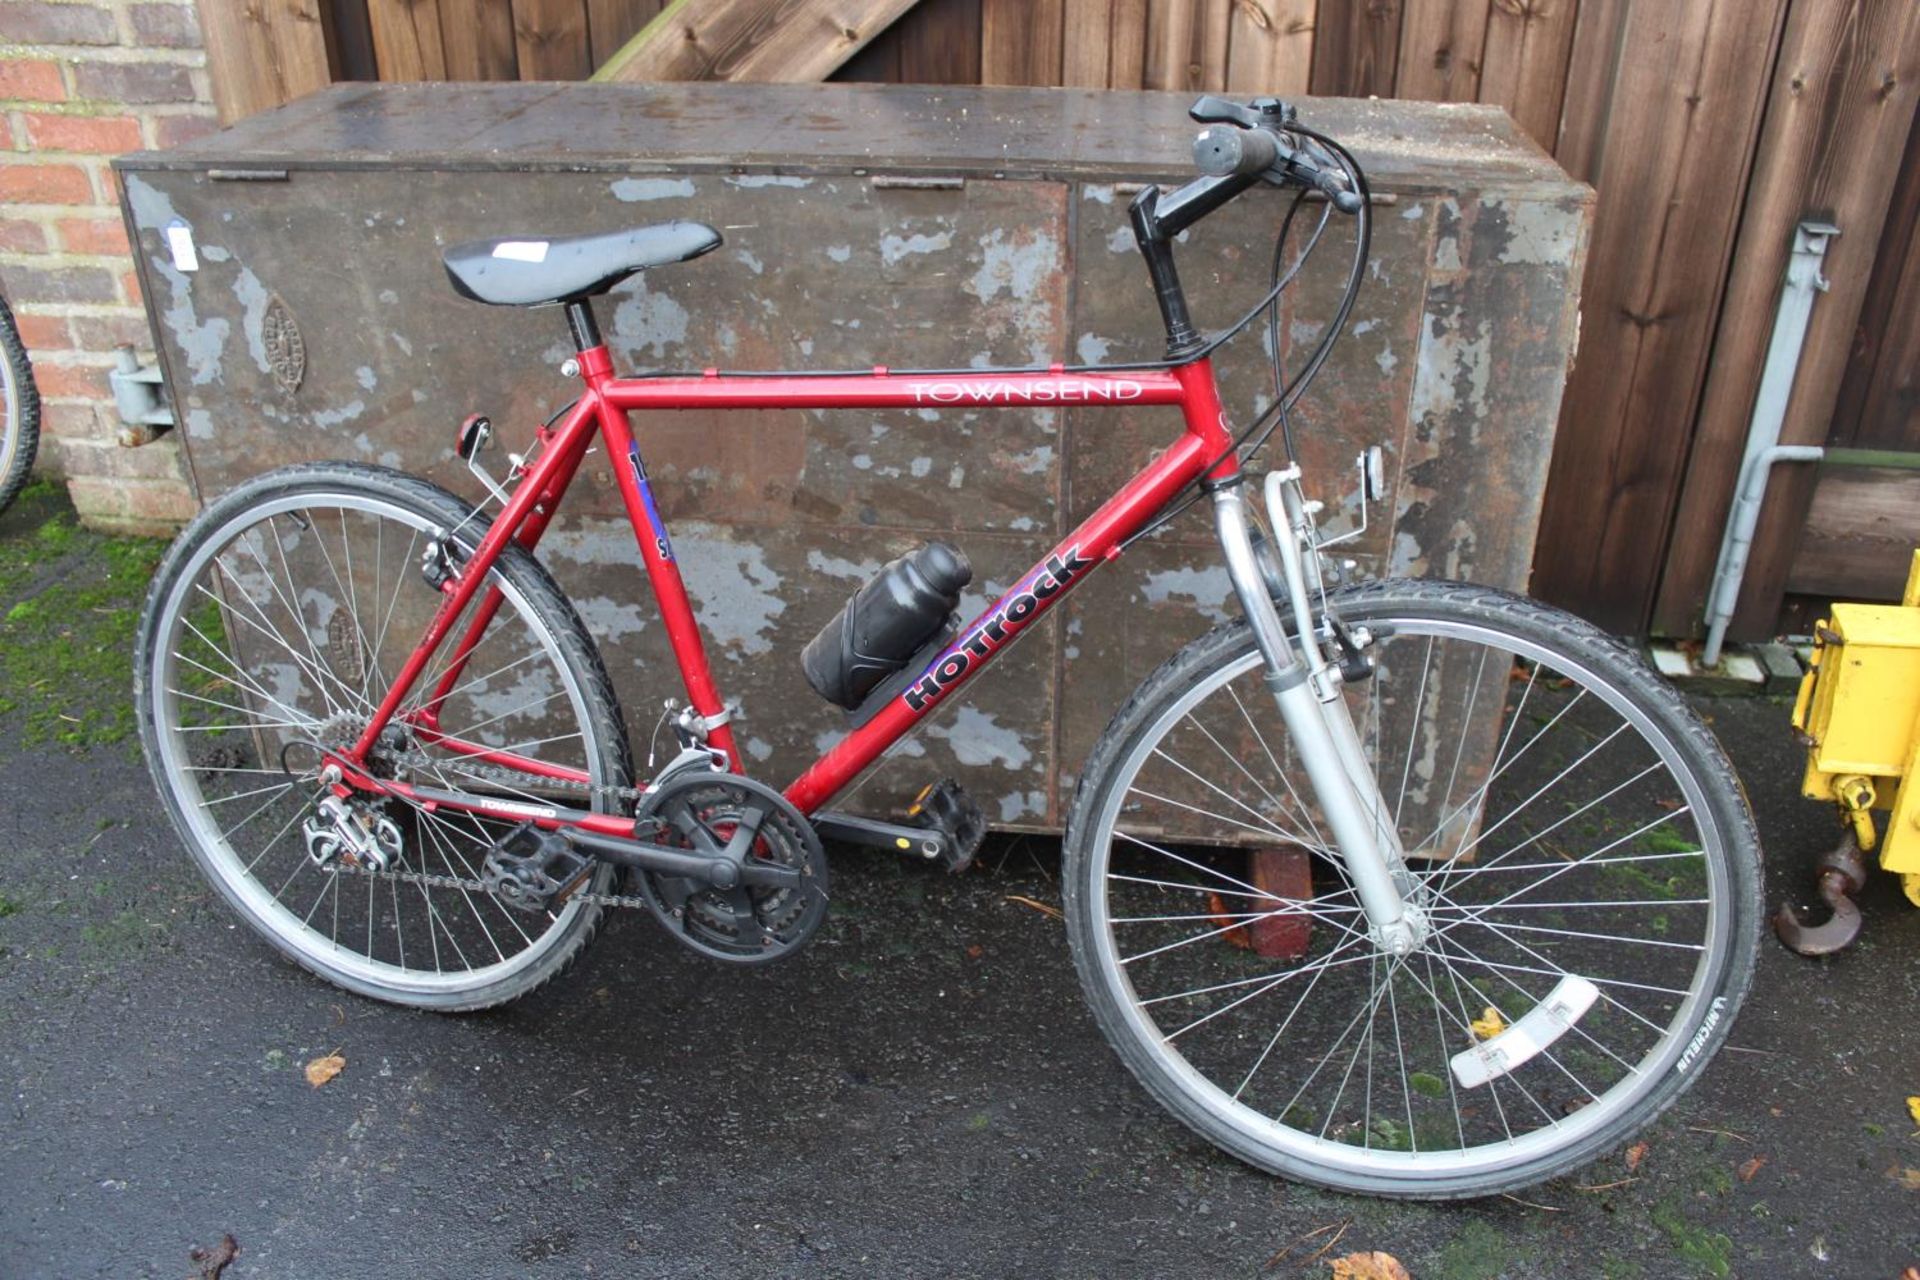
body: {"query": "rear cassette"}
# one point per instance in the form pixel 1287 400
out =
pixel 719 814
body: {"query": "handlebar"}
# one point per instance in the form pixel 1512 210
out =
pixel 1238 150
pixel 1245 144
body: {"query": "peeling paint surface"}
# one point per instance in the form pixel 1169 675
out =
pixel 1538 232
pixel 777 516
pixel 641 190
pixel 1208 590
pixel 978 739
pixel 734 590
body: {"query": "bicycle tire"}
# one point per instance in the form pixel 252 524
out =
pixel 19 410
pixel 534 590
pixel 1728 845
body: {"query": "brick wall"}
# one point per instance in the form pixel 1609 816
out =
pixel 82 81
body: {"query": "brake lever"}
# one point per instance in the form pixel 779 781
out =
pixel 1317 169
pixel 1260 113
pixel 1208 109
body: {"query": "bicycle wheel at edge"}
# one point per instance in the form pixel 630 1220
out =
pixel 231 692
pixel 19 410
pixel 1538 753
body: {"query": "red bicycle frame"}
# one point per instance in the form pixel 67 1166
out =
pixel 603 409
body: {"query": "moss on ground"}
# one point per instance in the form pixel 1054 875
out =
pixel 1481 1251
pixel 69 603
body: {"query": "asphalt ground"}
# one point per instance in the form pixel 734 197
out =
pixel 922 1093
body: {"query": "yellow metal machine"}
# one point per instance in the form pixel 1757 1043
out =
pixel 1858 712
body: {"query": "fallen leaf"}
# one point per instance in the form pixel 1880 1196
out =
pixel 1230 933
pixel 1913 1107
pixel 1751 1167
pixel 1489 1024
pixel 1908 1178
pixel 975 951
pixel 321 1070
pixel 209 1263
pixel 1635 1154
pixel 1369 1266
pixel 1911 1273
pixel 1043 908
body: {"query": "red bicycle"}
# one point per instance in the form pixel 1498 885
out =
pixel 1412 888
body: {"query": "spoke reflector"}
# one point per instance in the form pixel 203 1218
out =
pixel 1543 1024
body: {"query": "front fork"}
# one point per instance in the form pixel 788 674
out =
pixel 1306 687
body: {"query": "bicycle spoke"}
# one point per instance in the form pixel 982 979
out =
pixel 1566 846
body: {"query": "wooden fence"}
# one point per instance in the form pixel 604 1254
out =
pixel 1709 127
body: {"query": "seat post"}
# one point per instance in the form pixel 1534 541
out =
pixel 580 321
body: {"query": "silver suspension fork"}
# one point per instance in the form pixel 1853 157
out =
pixel 1306 688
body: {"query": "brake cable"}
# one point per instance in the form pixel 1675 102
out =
pixel 1288 391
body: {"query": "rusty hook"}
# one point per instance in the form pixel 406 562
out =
pixel 1843 873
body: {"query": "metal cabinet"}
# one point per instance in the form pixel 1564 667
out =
pixel 864 225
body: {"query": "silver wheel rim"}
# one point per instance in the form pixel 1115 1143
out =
pixel 1292 1145
pixel 10 424
pixel 224 862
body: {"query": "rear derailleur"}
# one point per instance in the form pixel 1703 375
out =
pixel 354 832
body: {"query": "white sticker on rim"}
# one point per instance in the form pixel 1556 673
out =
pixel 521 250
pixel 1543 1024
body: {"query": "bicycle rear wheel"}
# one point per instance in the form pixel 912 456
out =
pixel 1587 864
pixel 272 630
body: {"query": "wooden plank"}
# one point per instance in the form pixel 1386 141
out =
pixel 1524 65
pixel 1598 39
pixel 550 39
pixel 768 41
pixel 611 23
pixel 1690 86
pixel 1086 43
pixel 264 54
pixel 1021 41
pixel 1356 48
pixel 1187 45
pixel 1270 47
pixel 1839 105
pixel 935 42
pixel 1879 405
pixel 352 41
pixel 940 42
pixel 406 39
pixel 1216 30
pixel 1858 540
pixel 1441 44
pixel 477 40
pixel 1127 65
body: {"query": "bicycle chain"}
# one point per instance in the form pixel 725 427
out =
pixel 502 774
pixel 433 880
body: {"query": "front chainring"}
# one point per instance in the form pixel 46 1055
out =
pixel 701 811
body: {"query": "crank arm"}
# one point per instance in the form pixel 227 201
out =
pixel 721 873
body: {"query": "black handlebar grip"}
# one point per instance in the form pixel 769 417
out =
pixel 1223 149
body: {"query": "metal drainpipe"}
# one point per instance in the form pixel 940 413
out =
pixel 1763 429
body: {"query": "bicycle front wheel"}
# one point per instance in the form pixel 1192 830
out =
pixel 273 630
pixel 1585 862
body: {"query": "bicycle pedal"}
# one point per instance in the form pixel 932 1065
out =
pixel 530 869
pixel 944 807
